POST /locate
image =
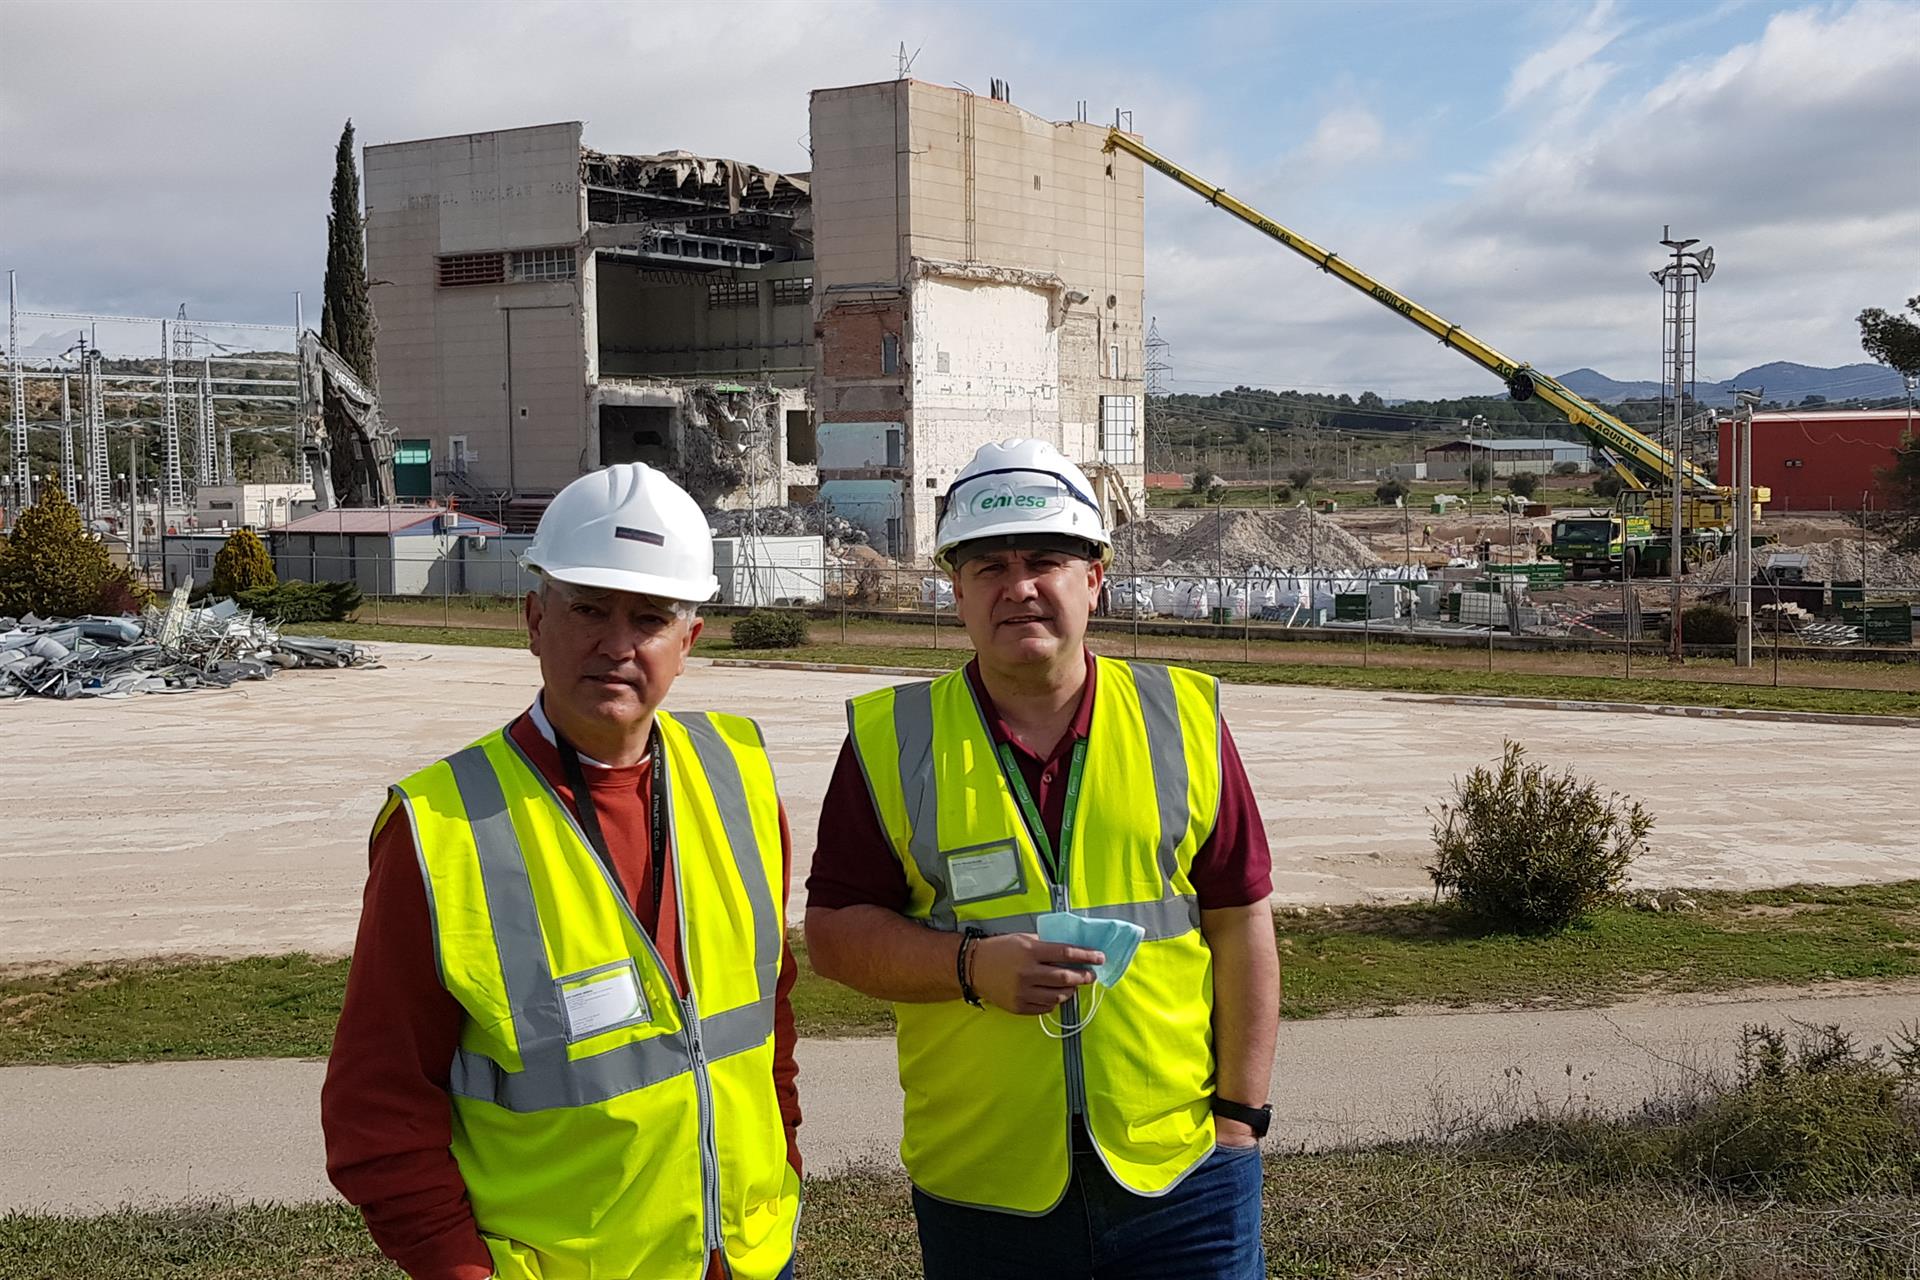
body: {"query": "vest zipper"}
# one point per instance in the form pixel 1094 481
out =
pixel 709 1148
pixel 1070 1043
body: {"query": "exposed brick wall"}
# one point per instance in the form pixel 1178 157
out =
pixel 851 337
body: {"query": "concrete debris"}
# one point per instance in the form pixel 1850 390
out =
pixel 794 520
pixel 168 650
pixel 1240 541
pixel 1834 560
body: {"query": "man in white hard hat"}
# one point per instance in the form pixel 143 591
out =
pixel 567 1048
pixel 1054 866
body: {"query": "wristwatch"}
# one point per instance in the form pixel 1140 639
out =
pixel 1255 1118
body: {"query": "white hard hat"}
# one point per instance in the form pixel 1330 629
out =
pixel 1021 491
pixel 626 528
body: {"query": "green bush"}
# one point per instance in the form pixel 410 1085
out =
pixel 302 601
pixel 242 564
pixel 1704 624
pixel 1300 477
pixel 1526 849
pixel 1389 492
pixel 1522 484
pixel 1608 485
pixel 53 567
pixel 771 629
pixel 1566 468
pixel 1202 481
pixel 1187 502
pixel 1815 1120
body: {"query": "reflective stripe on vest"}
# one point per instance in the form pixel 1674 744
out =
pixel 605 1147
pixel 988 1094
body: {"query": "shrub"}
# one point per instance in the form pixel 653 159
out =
pixel 1388 492
pixel 1566 468
pixel 771 629
pixel 1187 502
pixel 1608 485
pixel 1818 1119
pixel 53 567
pixel 1521 484
pixel 242 565
pixel 1282 494
pixel 1301 477
pixel 1202 481
pixel 1526 849
pixel 1480 474
pixel 1704 624
pixel 286 602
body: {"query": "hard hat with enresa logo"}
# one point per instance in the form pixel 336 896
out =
pixel 626 527
pixel 1021 492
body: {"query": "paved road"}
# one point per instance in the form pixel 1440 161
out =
pixel 84 1139
pixel 239 819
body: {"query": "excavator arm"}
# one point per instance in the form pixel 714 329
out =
pixel 1637 452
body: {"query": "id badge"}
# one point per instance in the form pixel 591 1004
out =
pixel 602 1000
pixel 985 871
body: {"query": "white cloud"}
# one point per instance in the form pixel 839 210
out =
pixel 1796 155
pixel 1345 136
pixel 1566 74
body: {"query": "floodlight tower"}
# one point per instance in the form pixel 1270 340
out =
pixel 1679 280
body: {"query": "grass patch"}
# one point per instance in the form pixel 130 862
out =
pixel 1356 959
pixel 1345 960
pixel 1432 1214
pixel 1402 679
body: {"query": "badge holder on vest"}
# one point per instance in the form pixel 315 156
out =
pixel 590 816
pixel 1118 939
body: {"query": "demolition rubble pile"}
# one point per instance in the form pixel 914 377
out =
pixel 793 520
pixel 1239 542
pixel 1834 560
pixel 168 650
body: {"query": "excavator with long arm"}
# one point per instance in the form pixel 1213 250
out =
pixel 1646 468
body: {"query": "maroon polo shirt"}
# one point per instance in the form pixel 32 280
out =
pixel 853 862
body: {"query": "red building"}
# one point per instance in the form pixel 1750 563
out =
pixel 1819 460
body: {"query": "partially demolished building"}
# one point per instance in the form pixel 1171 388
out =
pixel 953 270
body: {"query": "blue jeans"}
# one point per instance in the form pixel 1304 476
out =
pixel 1206 1228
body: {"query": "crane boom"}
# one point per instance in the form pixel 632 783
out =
pixel 1642 454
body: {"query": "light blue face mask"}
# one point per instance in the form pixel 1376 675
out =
pixel 1116 939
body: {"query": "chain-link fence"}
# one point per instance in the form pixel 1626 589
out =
pixel 1523 619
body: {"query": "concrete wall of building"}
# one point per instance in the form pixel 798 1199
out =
pixel 911 181
pixel 505 365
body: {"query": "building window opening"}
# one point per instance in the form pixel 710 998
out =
pixel 803 444
pixel 890 353
pixel 722 294
pixel 636 433
pixel 796 292
pixel 1119 441
pixel 472 268
pixel 543 264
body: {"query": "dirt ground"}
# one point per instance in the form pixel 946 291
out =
pixel 235 822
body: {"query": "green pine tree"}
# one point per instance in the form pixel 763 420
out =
pixel 243 563
pixel 54 568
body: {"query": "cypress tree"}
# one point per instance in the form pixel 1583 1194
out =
pixel 346 319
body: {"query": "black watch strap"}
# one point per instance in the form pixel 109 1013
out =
pixel 1255 1118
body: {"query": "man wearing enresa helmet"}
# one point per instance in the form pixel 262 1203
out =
pixel 1054 867
pixel 567 1047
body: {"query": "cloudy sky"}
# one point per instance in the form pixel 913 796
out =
pixel 1510 165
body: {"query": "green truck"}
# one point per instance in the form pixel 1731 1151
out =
pixel 1604 540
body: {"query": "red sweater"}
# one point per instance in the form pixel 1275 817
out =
pixel 384 1107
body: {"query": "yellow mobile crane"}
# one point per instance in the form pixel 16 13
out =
pixel 1644 466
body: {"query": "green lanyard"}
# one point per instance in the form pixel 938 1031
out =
pixel 1036 828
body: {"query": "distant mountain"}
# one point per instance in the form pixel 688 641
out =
pixel 49 346
pixel 1782 381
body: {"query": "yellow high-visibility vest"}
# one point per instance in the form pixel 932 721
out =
pixel 604 1125
pixel 989 1095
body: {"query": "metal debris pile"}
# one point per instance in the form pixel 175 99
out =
pixel 169 650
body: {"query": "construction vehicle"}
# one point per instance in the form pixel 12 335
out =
pixel 1641 516
pixel 1607 541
